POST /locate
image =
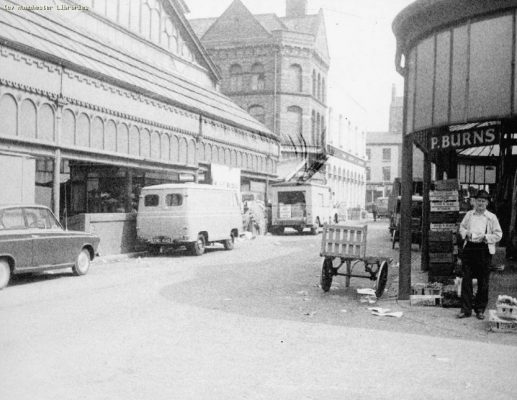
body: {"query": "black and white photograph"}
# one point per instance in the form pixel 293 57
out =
pixel 258 199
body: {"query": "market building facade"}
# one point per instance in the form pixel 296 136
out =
pixel 458 60
pixel 111 96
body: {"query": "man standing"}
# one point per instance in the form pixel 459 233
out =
pixel 375 210
pixel 480 230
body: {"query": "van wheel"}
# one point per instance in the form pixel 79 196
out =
pixel 198 247
pixel 229 243
pixel 314 230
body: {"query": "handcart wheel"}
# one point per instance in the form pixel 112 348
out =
pixel 382 278
pixel 326 274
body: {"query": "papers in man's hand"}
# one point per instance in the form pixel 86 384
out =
pixel 385 312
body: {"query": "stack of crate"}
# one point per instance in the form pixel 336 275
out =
pixel 443 249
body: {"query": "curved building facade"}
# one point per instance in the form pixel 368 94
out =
pixel 458 61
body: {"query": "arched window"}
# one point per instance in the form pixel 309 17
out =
pixel 318 89
pixel 258 113
pixel 257 77
pixel 313 127
pixel 314 83
pixel 323 91
pixel 318 125
pixel 235 78
pixel 294 122
pixel 295 78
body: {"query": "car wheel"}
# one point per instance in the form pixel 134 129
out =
pixel 5 273
pixel 198 248
pixel 82 263
pixel 229 243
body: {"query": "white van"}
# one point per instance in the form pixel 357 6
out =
pixel 188 214
pixel 300 206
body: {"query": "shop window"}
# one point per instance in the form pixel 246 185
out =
pixel 173 200
pixel 151 200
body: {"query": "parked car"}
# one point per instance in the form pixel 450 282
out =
pixel 32 240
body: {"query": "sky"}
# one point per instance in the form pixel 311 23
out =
pixel 361 45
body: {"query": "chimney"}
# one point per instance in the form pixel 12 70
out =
pixel 295 8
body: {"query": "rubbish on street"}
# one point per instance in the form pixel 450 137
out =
pixel 385 312
pixel 367 291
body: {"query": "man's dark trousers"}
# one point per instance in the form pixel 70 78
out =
pixel 476 265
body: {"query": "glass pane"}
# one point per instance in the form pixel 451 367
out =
pixel 490 67
pixel 173 199
pixel 411 91
pixel 459 74
pixel 12 219
pixel 442 80
pixel 424 87
pixel 291 197
pixel 151 200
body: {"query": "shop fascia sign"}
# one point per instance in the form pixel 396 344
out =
pixel 225 176
pixel 465 135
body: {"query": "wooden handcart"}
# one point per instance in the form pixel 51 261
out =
pixel 346 245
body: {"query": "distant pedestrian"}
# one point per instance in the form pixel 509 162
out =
pixel 375 211
pixel 480 230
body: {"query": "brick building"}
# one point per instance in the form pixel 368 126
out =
pixel 276 69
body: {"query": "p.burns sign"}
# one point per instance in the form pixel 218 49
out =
pixel 465 135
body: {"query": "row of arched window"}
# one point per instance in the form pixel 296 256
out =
pixel 317 127
pixel 339 173
pixel 146 18
pixel 255 79
pixel 319 86
pixel 27 120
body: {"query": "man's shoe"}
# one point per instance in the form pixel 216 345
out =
pixel 463 315
pixel 480 315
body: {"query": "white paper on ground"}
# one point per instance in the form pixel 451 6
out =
pixel 367 291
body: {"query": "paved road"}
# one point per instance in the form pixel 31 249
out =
pixel 245 324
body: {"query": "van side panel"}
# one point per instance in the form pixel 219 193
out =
pixel 213 212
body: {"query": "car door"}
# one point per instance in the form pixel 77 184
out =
pixel 15 239
pixel 50 243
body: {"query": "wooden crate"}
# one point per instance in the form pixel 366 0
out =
pixel 506 311
pixel 496 324
pixel 443 217
pixel 442 269
pixel 438 247
pixel 445 279
pixel 344 241
pixel 443 258
pixel 447 184
pixel 432 300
